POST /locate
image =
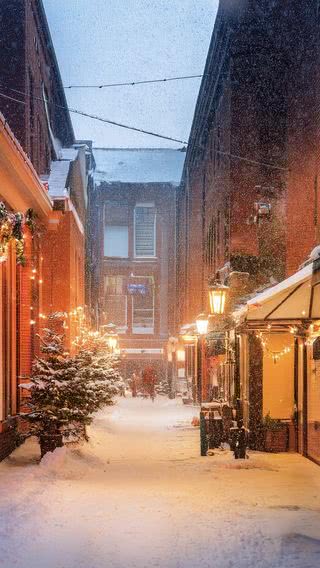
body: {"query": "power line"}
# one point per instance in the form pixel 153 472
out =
pixel 134 83
pixel 143 131
pixel 253 162
pixel 101 119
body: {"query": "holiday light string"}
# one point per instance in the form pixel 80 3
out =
pixel 274 355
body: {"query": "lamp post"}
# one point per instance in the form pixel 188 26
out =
pixel 112 337
pixel 202 323
pixel 171 353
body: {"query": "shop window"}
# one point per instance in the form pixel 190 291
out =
pixel 145 230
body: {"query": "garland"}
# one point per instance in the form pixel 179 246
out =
pixel 11 229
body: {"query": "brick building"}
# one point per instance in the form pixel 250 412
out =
pixel 241 111
pixel 53 278
pixel 29 73
pixel 65 246
pixel 249 203
pixel 21 300
pixel 136 190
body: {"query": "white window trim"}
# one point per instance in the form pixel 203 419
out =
pixel 154 255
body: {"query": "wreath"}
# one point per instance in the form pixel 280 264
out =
pixel 12 230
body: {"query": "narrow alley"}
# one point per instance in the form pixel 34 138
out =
pixel 139 495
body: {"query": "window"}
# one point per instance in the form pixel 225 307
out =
pixel 143 309
pixel 116 229
pixel 116 302
pixel 145 230
pixel 116 241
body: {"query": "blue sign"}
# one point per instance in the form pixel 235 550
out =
pixel 137 289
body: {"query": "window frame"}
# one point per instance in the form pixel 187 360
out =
pixel 149 256
pixel 144 330
pixel 106 225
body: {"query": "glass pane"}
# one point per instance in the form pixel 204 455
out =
pixel 116 241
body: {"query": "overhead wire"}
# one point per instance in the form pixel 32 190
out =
pixel 141 130
pixel 133 83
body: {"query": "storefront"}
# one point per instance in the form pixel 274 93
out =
pixel 279 338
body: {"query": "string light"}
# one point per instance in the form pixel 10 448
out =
pixel 274 355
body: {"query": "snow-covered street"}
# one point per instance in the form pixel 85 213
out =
pixel 138 495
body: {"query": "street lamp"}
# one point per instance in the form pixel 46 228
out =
pixel 113 342
pixel 202 323
pixel 171 368
pixel 217 297
pixel 181 355
pixel 111 336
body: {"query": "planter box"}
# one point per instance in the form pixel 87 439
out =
pixel 276 440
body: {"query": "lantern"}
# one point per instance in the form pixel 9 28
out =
pixel 181 355
pixel 202 323
pixel 113 341
pixel 217 297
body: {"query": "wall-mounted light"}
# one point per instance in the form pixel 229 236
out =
pixel 181 355
pixel 202 323
pixel 217 296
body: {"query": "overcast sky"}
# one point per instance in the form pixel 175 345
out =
pixel 106 41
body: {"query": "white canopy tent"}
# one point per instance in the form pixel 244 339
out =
pixel 296 298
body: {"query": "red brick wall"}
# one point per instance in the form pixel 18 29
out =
pixel 26 44
pixel 303 136
pixel 63 269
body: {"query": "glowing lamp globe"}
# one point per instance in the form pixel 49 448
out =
pixel 217 296
pixel 113 341
pixel 202 323
pixel 181 355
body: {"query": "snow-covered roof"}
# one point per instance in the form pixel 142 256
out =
pixel 138 165
pixel 58 178
pixel 59 171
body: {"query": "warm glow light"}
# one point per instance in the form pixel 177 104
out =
pixel 217 297
pixel 112 341
pixel 186 337
pixel 40 281
pixel 181 355
pixel 32 322
pixel 202 323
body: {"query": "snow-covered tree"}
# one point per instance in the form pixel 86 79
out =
pixel 66 390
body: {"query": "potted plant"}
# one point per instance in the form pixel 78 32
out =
pixel 275 434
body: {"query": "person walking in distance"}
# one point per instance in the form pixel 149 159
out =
pixel 134 385
pixel 149 380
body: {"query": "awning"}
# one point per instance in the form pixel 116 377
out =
pixel 296 298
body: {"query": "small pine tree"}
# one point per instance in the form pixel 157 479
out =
pixel 66 390
pixel 163 387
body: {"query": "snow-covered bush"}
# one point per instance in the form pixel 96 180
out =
pixel 65 391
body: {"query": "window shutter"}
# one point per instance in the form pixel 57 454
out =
pixel 145 231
